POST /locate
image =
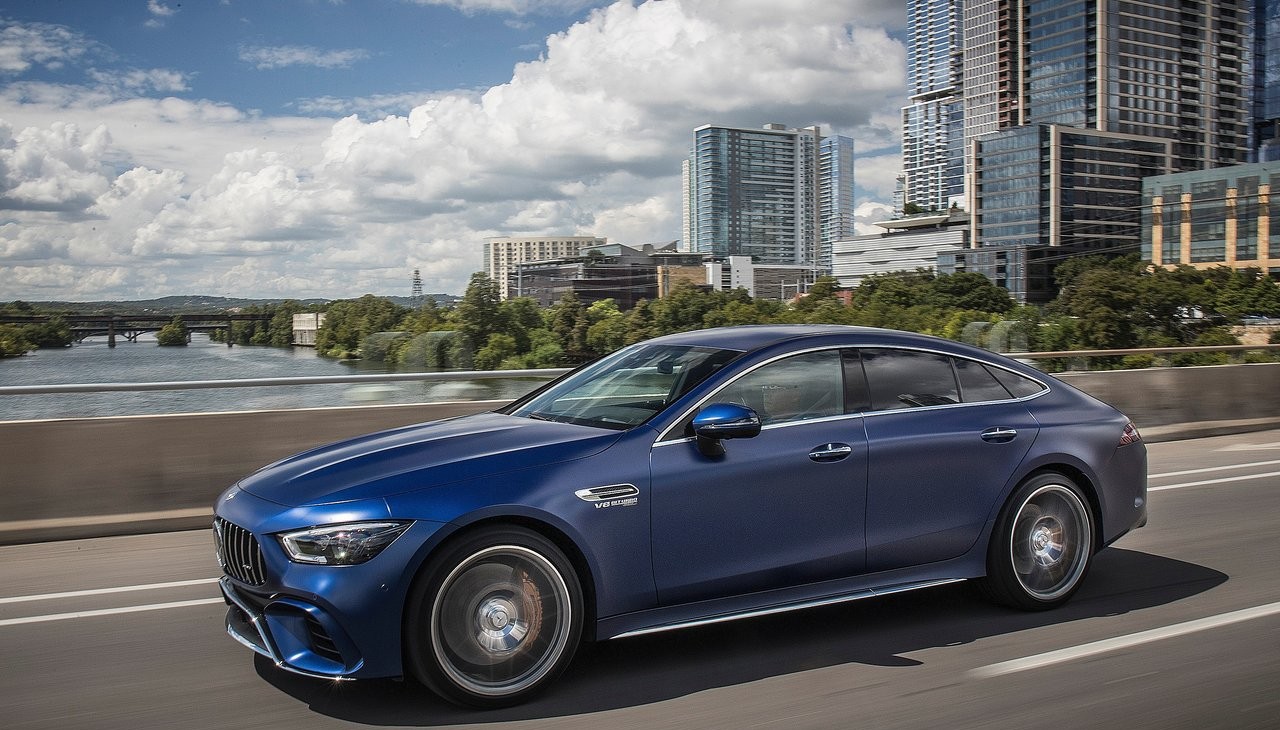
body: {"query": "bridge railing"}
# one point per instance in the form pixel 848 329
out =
pixel 1075 360
pixel 452 376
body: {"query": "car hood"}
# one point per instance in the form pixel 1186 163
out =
pixel 426 455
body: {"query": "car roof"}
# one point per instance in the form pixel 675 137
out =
pixel 753 337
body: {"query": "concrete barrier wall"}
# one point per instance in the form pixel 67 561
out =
pixel 1165 396
pixel 98 476
pixel 86 477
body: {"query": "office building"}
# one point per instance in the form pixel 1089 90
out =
pixel 778 282
pixel 933 123
pixel 504 255
pixel 1227 216
pixel 906 244
pixel 775 195
pixel 1266 78
pixel 1086 98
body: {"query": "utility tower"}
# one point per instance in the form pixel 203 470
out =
pixel 417 289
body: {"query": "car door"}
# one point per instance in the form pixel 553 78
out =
pixel 785 507
pixel 937 461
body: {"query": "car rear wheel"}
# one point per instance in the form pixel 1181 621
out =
pixel 495 618
pixel 1042 546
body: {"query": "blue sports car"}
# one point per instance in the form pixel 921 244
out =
pixel 690 479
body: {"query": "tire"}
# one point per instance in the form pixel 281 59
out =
pixel 1042 546
pixel 494 618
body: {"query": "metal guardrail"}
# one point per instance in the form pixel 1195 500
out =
pixel 536 373
pixel 260 382
pixel 1138 351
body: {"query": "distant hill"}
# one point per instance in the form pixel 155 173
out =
pixel 195 304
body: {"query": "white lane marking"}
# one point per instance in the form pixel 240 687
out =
pixel 1212 468
pixel 108 611
pixel 1252 447
pixel 91 520
pixel 1214 481
pixel 1122 642
pixel 103 591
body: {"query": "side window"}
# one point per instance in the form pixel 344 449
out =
pixel 908 379
pixel 977 385
pixel 793 389
pixel 1019 386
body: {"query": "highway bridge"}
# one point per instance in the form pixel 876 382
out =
pixel 1177 626
pixel 130 326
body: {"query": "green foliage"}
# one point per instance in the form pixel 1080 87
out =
pixel 428 351
pixel 348 321
pixel 173 334
pixel 13 341
pixel 54 333
pixel 480 313
pixel 1105 303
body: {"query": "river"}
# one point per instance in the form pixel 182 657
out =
pixel 144 362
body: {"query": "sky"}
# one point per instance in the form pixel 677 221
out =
pixel 327 148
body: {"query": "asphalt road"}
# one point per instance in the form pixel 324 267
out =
pixel 1177 626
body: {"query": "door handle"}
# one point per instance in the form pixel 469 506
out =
pixel 999 435
pixel 830 452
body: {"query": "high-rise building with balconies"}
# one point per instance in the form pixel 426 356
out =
pixel 933 123
pixel 777 195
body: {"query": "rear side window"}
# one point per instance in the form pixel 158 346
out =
pixel 977 384
pixel 1019 386
pixel 908 379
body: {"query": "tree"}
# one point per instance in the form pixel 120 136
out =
pixel 480 313
pixel 13 341
pixel 969 290
pixel 348 321
pixel 173 334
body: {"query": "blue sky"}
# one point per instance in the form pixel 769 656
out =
pixel 312 148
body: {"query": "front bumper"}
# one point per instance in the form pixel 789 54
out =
pixel 334 622
pixel 295 636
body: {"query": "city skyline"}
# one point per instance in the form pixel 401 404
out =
pixel 151 148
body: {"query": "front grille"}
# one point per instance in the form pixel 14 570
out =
pixel 238 552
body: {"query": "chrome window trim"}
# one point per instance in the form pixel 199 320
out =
pixel 665 439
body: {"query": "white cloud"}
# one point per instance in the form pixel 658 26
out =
pixel 160 13
pixel 159 9
pixel 515 7
pixel 273 57
pixel 57 169
pixel 39 44
pixel 178 196
pixel 866 215
pixel 140 81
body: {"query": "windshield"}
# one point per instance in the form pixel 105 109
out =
pixel 626 388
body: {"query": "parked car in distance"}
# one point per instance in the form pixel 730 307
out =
pixel 686 480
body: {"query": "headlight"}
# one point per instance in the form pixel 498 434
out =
pixel 349 544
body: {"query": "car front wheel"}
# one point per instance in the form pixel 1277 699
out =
pixel 495 618
pixel 1043 545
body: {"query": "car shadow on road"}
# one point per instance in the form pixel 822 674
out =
pixel 880 631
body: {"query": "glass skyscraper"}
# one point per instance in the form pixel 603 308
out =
pixel 933 124
pixel 1089 97
pixel 774 194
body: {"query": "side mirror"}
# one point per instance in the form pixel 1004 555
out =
pixel 726 421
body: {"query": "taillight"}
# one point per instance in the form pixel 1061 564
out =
pixel 1130 435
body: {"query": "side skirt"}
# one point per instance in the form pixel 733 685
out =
pixel 767 610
